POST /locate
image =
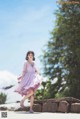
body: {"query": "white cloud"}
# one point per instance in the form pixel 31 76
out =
pixel 7 79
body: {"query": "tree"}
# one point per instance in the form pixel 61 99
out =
pixel 61 56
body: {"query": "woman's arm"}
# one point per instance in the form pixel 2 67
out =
pixel 38 74
pixel 36 69
pixel 23 71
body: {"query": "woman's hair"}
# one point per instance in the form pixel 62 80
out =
pixel 30 52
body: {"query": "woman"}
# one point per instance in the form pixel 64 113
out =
pixel 30 80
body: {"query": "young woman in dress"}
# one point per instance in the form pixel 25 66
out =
pixel 29 80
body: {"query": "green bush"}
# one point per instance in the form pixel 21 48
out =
pixel 3 98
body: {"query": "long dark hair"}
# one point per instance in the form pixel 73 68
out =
pixel 30 52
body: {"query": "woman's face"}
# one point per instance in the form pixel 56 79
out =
pixel 30 56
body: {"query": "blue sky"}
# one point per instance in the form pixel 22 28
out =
pixel 24 25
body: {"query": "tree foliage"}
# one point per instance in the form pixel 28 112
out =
pixel 61 55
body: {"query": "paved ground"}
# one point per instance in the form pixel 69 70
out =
pixel 38 115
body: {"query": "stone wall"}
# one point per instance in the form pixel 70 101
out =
pixel 63 105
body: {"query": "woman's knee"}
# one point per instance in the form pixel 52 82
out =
pixel 31 91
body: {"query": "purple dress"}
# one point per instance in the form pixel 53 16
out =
pixel 30 79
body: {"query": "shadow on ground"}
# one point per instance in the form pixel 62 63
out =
pixel 27 112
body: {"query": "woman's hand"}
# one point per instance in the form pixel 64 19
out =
pixel 19 78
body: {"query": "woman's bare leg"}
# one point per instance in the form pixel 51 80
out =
pixel 31 101
pixel 27 96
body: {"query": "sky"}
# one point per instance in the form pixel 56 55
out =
pixel 24 25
